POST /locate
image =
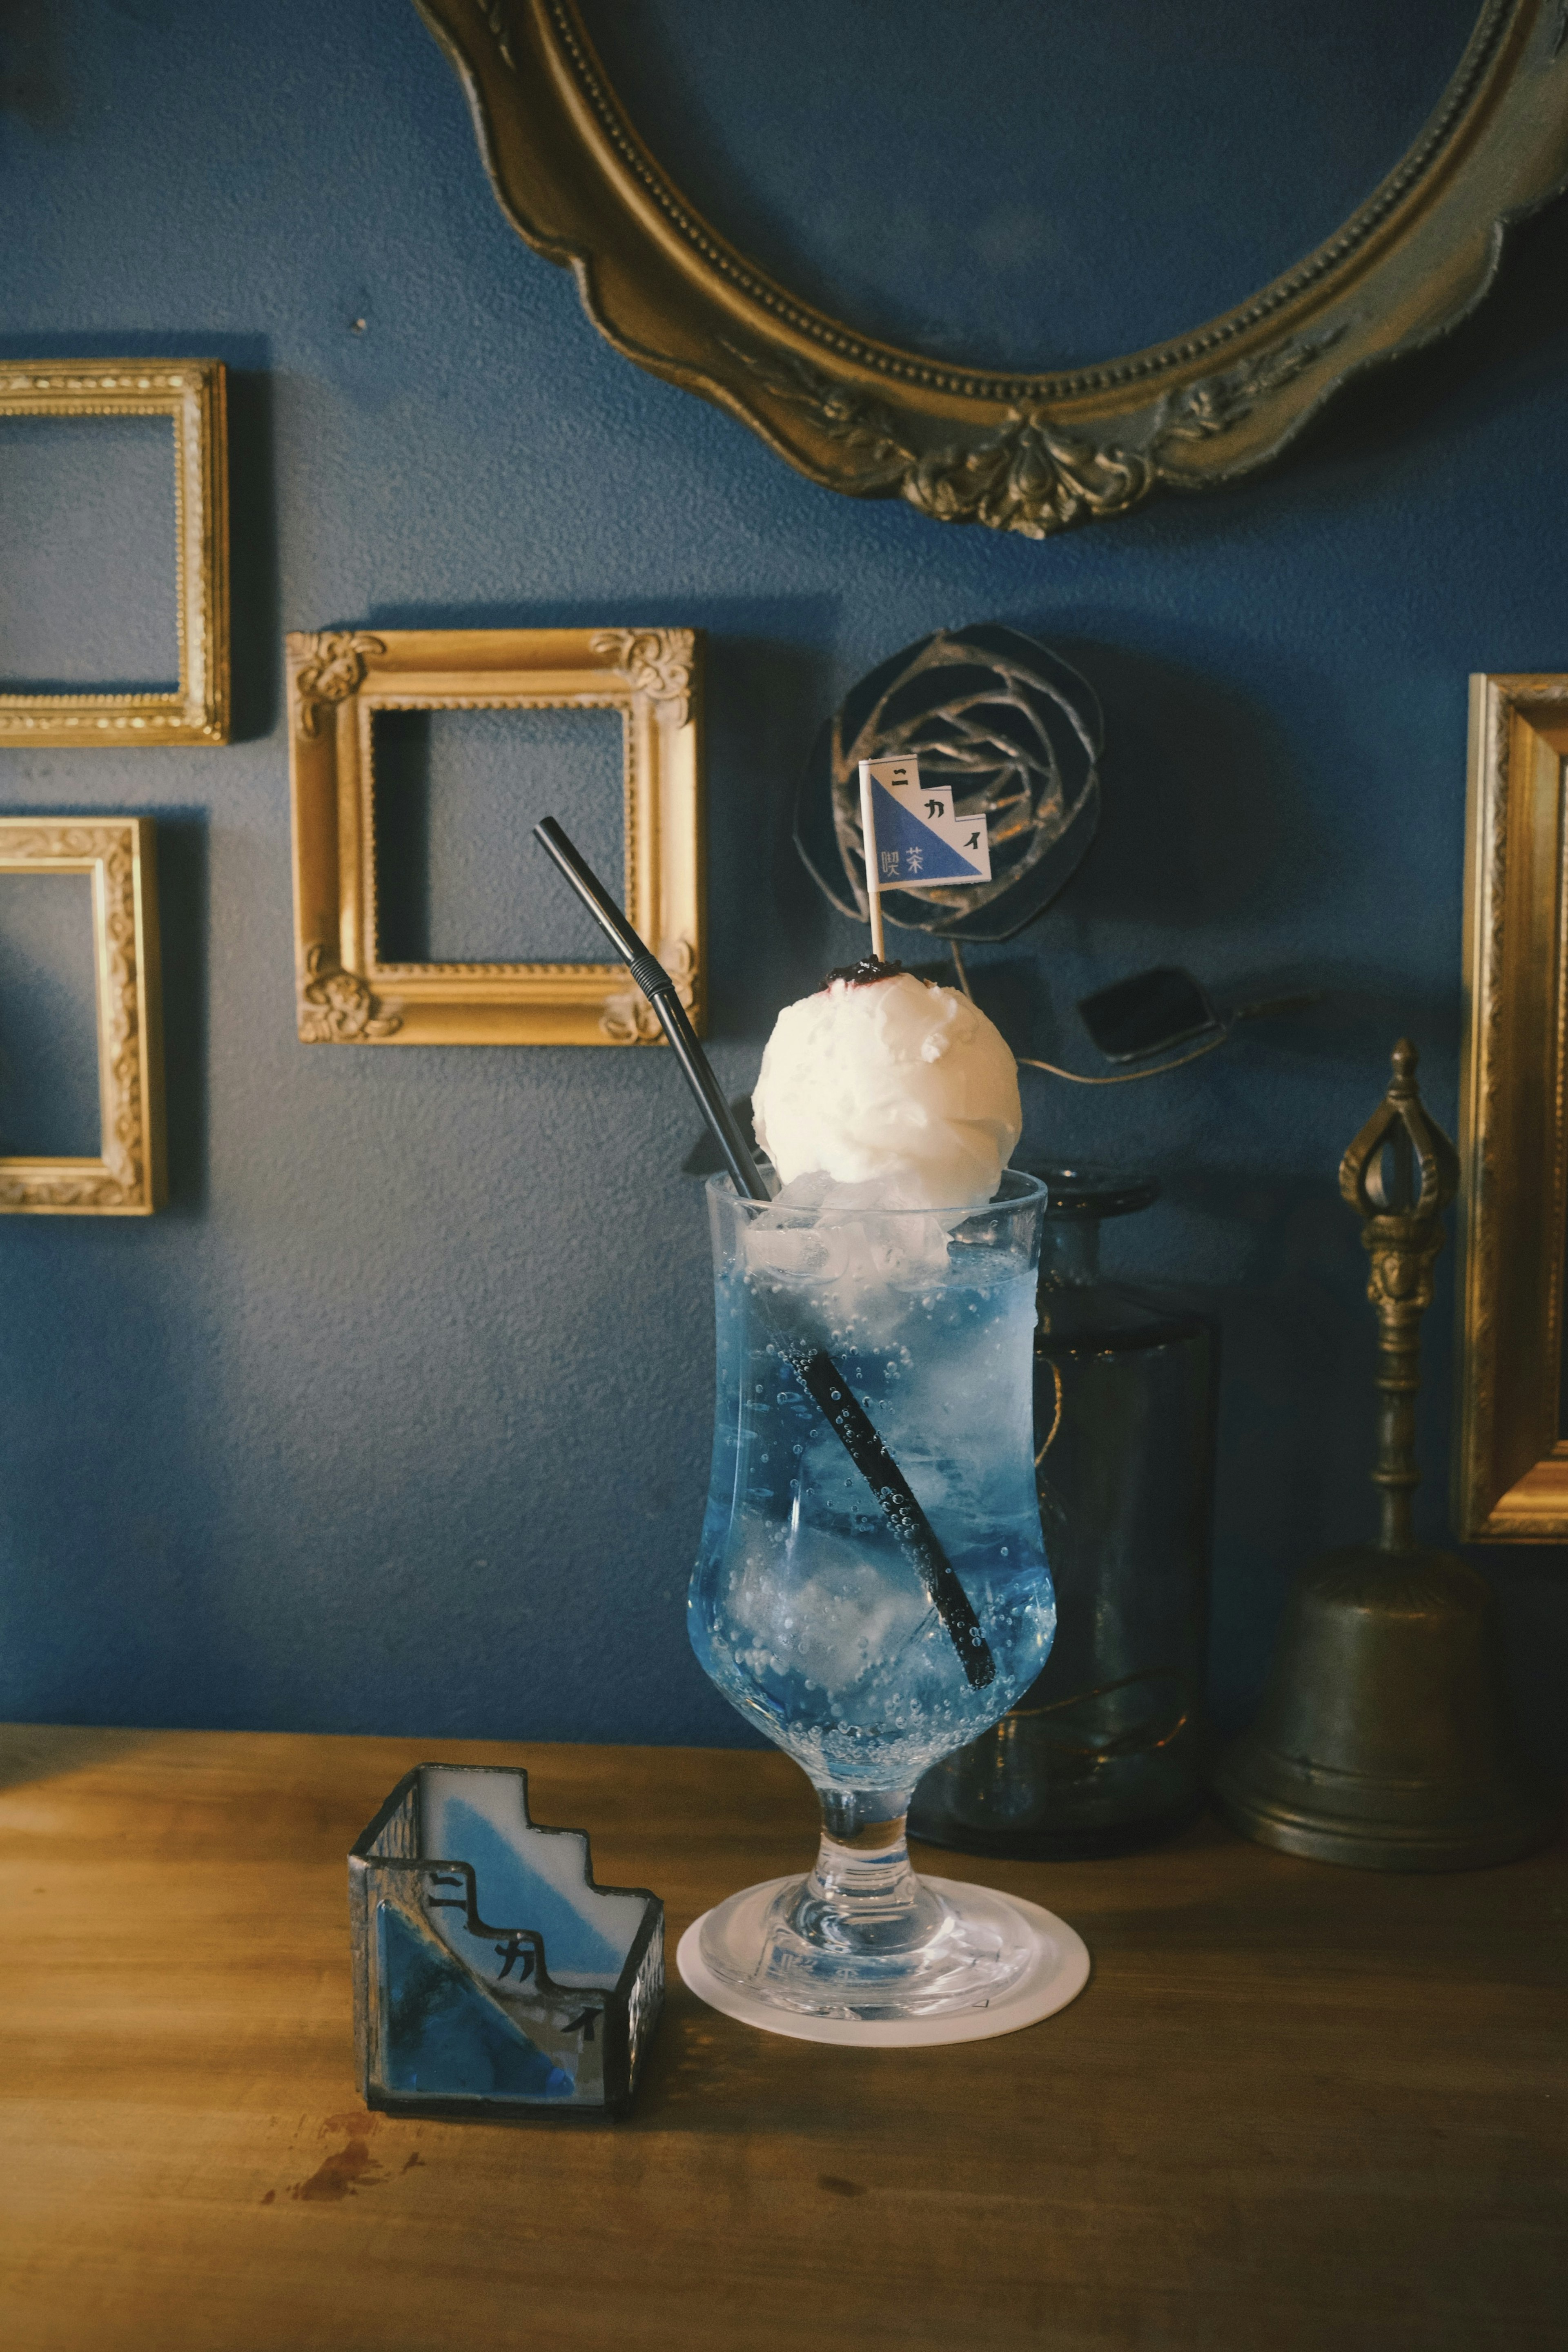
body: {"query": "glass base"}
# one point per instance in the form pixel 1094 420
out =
pixel 925 1955
pixel 1055 1977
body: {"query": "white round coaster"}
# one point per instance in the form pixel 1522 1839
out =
pixel 1056 1975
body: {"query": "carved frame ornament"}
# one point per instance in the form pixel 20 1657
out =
pixel 126 1178
pixel 192 393
pixel 339 679
pixel 1510 1464
pixel 1032 454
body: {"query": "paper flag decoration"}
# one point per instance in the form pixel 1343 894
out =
pixel 922 844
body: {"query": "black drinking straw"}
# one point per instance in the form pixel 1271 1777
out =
pixel 813 1367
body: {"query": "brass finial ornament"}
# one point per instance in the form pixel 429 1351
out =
pixel 1384 1740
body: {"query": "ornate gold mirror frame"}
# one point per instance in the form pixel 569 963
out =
pixel 1511 1481
pixel 1035 454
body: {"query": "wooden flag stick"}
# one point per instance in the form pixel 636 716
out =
pixel 873 883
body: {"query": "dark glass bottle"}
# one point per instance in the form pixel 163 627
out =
pixel 1101 1755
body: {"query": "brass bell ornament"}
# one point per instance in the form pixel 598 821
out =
pixel 1384 1738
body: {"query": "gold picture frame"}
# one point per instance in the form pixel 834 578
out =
pixel 339 679
pixel 127 1178
pixel 193 395
pixel 970 442
pixel 1510 1465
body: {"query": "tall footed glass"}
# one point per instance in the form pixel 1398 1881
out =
pixel 872 1589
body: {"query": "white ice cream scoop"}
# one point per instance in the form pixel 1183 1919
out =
pixel 895 1079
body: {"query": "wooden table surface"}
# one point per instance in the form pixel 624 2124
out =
pixel 1297 2107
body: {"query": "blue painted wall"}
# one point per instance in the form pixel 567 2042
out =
pixel 397 1419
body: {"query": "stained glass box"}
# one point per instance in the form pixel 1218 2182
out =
pixel 548 2009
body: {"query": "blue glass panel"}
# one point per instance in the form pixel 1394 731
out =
pixel 442 2035
pixel 509 1894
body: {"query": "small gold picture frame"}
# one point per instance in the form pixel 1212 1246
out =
pixel 1510 1464
pixel 192 393
pixel 127 1178
pixel 339 679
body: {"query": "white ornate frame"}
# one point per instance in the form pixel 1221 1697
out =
pixel 339 679
pixel 193 395
pixel 127 1179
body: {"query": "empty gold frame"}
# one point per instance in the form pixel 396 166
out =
pixel 191 393
pixel 127 1179
pixel 1511 1463
pixel 338 680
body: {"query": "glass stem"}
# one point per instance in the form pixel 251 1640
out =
pixel 863 1857
pixel 863 1896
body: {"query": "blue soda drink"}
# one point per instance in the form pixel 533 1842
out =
pixel 805 1610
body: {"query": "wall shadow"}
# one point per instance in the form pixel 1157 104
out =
pixel 183 919
pixel 1405 411
pixel 402 790
pixel 1203 812
pixel 255 605
pixel 32 64
pixel 768 701
pixel 1516 337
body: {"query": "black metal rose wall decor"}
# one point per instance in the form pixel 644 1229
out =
pixel 1034 454
pixel 1012 728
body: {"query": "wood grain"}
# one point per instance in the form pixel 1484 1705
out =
pixel 1297 2108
